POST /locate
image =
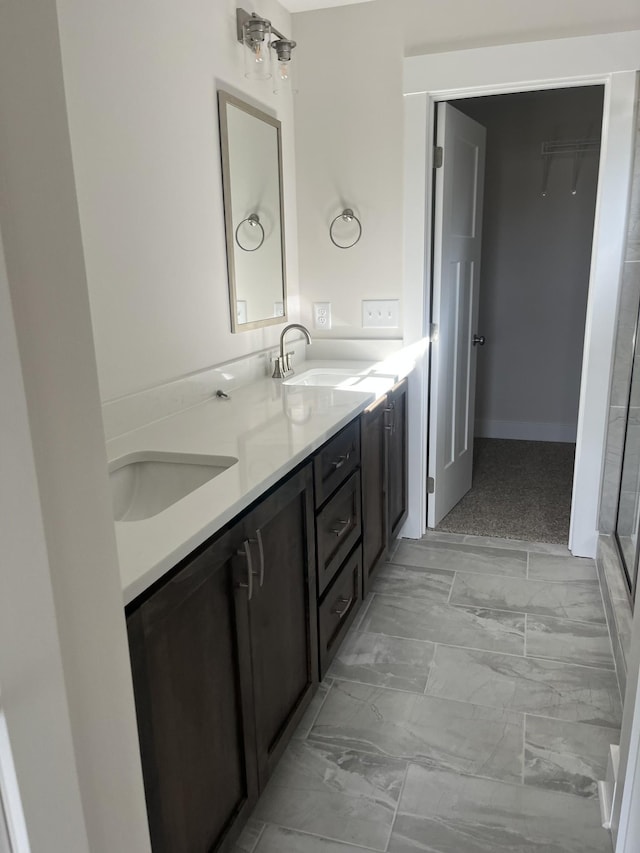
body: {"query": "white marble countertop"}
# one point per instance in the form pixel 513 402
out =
pixel 269 426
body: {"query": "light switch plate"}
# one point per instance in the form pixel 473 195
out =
pixel 322 315
pixel 380 313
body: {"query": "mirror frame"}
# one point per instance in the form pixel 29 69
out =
pixel 225 99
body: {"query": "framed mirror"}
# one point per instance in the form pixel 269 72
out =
pixel 253 213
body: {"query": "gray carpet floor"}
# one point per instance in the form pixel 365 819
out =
pixel 521 490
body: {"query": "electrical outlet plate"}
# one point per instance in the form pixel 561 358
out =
pixel 322 315
pixel 380 313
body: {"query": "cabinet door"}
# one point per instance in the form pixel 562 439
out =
pixel 282 614
pixel 397 439
pixel 192 681
pixel 374 488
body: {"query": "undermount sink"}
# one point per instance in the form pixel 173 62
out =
pixel 340 378
pixel 332 377
pixel 145 483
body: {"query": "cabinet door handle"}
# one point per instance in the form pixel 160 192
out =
pixel 340 611
pixel 341 460
pixel 249 584
pixel 344 525
pixel 391 410
pixel 261 552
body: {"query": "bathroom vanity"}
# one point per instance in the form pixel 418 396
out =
pixel 228 644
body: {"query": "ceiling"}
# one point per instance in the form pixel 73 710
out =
pixel 308 5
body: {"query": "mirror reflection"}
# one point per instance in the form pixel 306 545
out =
pixel 254 217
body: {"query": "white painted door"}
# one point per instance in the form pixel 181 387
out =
pixel 459 186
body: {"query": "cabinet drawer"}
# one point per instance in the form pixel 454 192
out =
pixel 339 527
pixel 339 607
pixel 336 460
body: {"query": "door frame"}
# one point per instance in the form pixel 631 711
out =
pixel 610 60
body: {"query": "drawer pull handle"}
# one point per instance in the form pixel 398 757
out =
pixel 341 460
pixel 250 573
pixel 340 611
pixel 338 531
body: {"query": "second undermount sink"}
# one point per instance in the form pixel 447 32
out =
pixel 145 483
pixel 326 377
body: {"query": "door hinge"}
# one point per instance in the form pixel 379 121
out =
pixel 431 485
pixel 433 332
pixel 438 156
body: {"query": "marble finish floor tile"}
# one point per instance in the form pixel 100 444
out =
pixel 455 735
pixel 428 554
pixel 386 661
pixel 339 794
pixel 547 567
pixel 583 643
pixel 476 627
pixel 276 839
pixel 393 579
pixel 567 757
pixel 249 837
pixel 309 718
pixel 580 600
pixel 443 812
pixel 531 685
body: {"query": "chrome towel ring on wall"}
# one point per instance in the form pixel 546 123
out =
pixel 254 221
pixel 347 215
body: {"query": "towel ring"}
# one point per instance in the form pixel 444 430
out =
pixel 253 220
pixel 347 215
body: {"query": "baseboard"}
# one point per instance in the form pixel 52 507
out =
pixel 526 431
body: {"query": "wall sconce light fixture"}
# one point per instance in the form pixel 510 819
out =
pixel 256 34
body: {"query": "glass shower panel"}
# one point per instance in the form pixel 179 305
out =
pixel 628 520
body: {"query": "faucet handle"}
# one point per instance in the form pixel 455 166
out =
pixel 287 358
pixel 278 368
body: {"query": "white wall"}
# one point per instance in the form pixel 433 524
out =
pixel 349 141
pixel 536 254
pixel 61 599
pixel 141 83
pixel 349 125
pixel 33 695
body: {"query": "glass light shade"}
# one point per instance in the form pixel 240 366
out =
pixel 256 36
pixel 283 77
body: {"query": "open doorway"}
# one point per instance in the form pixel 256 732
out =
pixel 540 189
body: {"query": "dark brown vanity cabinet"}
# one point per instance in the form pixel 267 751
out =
pixel 226 651
pixel 384 477
pixel 225 661
pixel 397 433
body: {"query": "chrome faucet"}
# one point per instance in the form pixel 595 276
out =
pixel 282 366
